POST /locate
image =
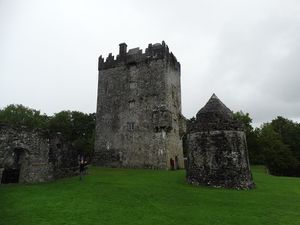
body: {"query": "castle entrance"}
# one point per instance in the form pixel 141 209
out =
pixel 10 175
pixel 14 166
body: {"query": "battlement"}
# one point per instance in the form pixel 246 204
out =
pixel 136 55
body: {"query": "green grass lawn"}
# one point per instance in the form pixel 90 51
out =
pixel 128 196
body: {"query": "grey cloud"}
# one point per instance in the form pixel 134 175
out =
pixel 255 68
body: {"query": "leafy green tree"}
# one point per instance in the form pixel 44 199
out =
pixel 289 131
pixel 77 127
pixel 254 149
pixel 20 115
pixel 62 122
pixel 245 119
pixel 278 156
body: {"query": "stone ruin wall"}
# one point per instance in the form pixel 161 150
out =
pixel 139 109
pixel 36 154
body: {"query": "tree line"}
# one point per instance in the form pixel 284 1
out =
pixel 76 127
pixel 275 144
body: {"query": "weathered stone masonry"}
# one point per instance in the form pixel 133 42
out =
pixel 139 122
pixel 32 155
pixel 217 149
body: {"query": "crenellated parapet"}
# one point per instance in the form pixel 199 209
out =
pixel 136 56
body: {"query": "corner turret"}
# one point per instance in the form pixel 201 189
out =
pixel 122 49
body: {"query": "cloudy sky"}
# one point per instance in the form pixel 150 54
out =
pixel 247 52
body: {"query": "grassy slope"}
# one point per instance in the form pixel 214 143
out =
pixel 124 196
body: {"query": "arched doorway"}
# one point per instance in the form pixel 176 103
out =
pixel 14 166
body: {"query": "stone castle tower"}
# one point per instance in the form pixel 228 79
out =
pixel 139 122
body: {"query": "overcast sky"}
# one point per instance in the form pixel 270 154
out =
pixel 247 52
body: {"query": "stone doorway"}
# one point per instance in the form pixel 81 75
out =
pixel 10 175
pixel 15 164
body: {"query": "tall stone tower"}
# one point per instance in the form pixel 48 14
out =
pixel 139 122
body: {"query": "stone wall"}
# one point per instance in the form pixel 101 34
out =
pixel 31 155
pixel 138 109
pixel 219 159
pixel 62 157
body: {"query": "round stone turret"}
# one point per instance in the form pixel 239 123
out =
pixel 217 149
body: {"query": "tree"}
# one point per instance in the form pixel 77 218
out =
pixel 20 115
pixel 245 119
pixel 254 149
pixel 77 127
pixel 277 155
pixel 62 122
pixel 289 132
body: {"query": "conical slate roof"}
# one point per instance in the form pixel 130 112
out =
pixel 214 105
pixel 215 116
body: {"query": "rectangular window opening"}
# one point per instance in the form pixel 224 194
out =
pixel 130 126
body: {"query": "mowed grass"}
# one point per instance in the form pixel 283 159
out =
pixel 128 196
